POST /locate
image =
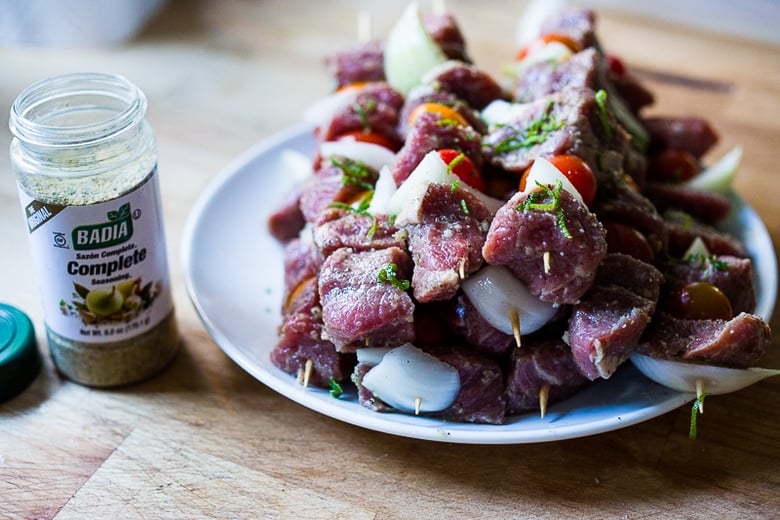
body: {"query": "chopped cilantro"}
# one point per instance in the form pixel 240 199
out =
pixel 601 101
pixel 694 415
pixel 535 133
pixel 532 203
pixel 388 275
pixel 335 388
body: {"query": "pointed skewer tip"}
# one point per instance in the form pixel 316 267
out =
pixel 307 368
pixel 514 320
pixel 544 394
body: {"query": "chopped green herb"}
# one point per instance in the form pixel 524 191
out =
pixel 464 207
pixel 601 101
pixel 362 110
pixel 455 162
pixel 447 122
pixel 335 388
pixel 532 203
pixel 694 415
pixel 535 133
pixel 355 173
pixel 455 185
pixel 361 209
pixel 700 261
pixel 388 275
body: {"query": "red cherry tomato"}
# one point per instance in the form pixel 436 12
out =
pixel 577 171
pixel 460 165
pixel 672 165
pixel 622 238
pixel 370 137
pixel 698 301
pixel 544 40
pixel 616 66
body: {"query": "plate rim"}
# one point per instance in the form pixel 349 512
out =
pixel 423 428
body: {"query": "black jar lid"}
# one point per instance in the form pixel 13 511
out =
pixel 20 359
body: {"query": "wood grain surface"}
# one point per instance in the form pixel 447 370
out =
pixel 206 440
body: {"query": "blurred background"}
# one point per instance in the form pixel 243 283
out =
pixel 111 22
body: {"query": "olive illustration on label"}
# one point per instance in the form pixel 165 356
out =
pixel 104 302
pixel 120 302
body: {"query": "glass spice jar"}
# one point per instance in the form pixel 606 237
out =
pixel 85 161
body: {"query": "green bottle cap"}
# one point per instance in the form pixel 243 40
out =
pixel 20 360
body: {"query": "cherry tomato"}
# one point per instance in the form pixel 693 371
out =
pixel 544 40
pixel 698 301
pixel 616 66
pixel 577 171
pixel 437 108
pixel 370 137
pixel 672 165
pixel 460 165
pixel 622 238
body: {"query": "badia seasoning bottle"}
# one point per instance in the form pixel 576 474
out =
pixel 85 161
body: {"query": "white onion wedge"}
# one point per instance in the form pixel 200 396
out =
pixel 410 51
pixel 495 292
pixel 535 13
pixel 545 173
pixel 697 248
pixel 371 355
pixel 383 191
pixel 683 377
pixel 719 177
pixel 500 112
pixel 372 155
pixel 411 380
pixel 432 170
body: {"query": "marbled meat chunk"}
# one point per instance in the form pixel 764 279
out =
pixel 360 310
pixel 362 63
pixel 300 340
pixel 554 251
pixel 338 228
pixel 605 327
pixel 738 343
pixel 481 396
pixel 446 229
pixel 541 362
pixel 565 122
pixel 376 108
pixel 428 133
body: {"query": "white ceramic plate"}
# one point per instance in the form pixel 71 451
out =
pixel 234 276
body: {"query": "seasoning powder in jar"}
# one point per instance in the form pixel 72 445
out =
pixel 85 160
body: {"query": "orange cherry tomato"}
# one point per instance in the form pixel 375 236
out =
pixel 459 164
pixel 357 85
pixel 673 166
pixel 437 108
pixel 698 301
pixel 544 40
pixel 622 238
pixel 577 171
pixel 369 137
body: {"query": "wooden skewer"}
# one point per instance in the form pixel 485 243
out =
pixel 544 394
pixel 363 26
pixel 699 393
pixel 307 368
pixel 417 405
pixel 546 259
pixel 299 377
pixel 438 7
pixel 462 269
pixel 514 320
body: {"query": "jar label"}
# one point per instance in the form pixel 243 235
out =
pixel 102 267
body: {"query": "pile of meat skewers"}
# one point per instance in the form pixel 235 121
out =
pixel 471 250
